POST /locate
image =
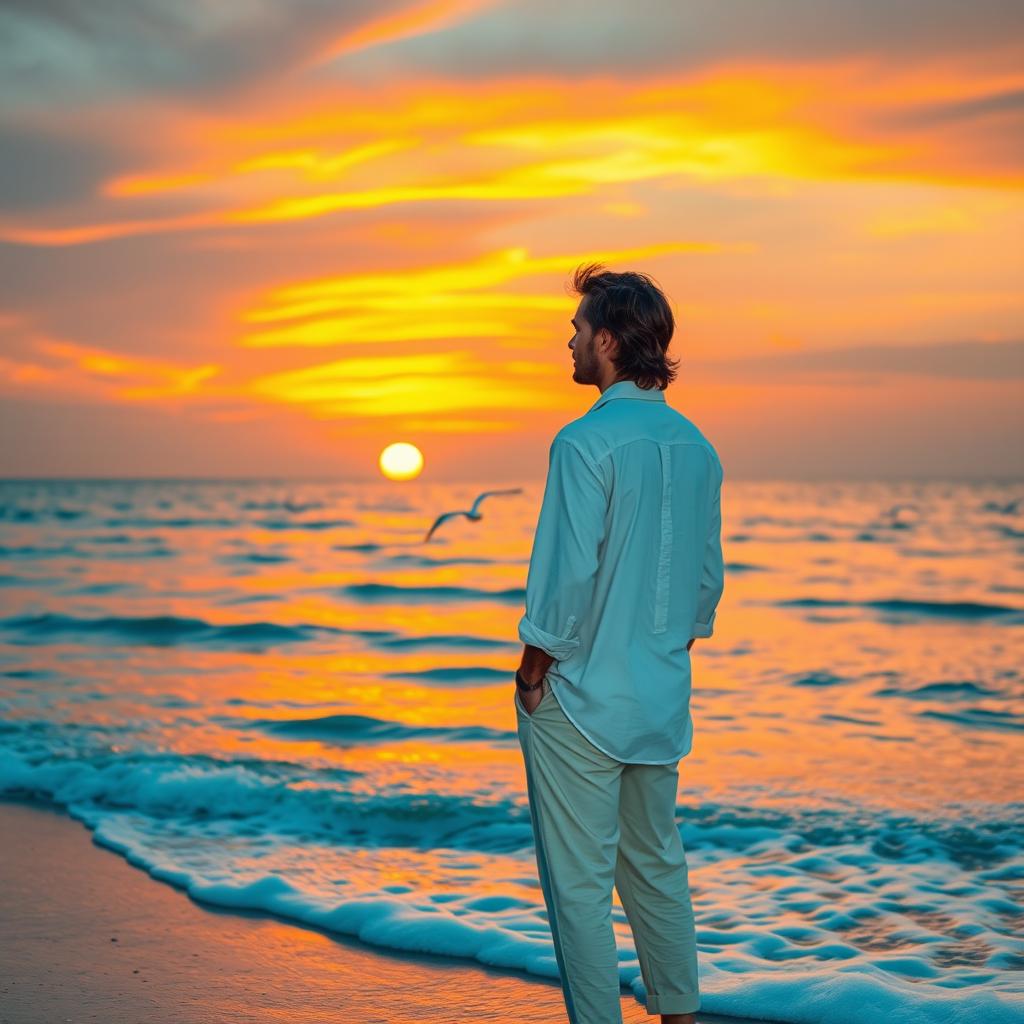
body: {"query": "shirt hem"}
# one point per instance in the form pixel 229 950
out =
pixel 608 753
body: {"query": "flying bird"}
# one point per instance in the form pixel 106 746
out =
pixel 472 513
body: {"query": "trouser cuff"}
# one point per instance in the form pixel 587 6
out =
pixel 680 1002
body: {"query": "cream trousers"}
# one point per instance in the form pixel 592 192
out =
pixel 598 822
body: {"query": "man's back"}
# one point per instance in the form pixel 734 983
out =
pixel 626 568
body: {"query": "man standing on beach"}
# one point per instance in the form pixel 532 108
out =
pixel 626 572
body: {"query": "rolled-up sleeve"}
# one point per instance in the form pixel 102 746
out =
pixel 566 550
pixel 712 577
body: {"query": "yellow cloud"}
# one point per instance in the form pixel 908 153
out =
pixel 387 386
pixel 457 300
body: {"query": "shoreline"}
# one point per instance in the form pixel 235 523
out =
pixel 88 936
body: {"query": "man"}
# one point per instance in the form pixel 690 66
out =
pixel 626 571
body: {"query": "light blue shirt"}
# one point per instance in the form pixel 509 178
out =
pixel 626 567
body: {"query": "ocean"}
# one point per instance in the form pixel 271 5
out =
pixel 276 696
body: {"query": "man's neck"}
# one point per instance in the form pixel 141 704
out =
pixel 605 382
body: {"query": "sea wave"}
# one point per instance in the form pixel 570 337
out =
pixel 353 729
pixel 159 630
pixel 965 610
pixel 286 798
pixel 394 592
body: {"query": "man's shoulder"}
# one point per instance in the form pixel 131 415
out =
pixel 690 433
pixel 574 432
pixel 579 435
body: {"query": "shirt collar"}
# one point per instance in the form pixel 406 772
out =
pixel 628 389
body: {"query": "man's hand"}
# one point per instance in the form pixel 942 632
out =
pixel 530 698
pixel 533 668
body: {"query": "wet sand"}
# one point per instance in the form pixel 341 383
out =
pixel 85 936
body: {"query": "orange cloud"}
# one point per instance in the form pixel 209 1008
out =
pixel 21 373
pixel 534 140
pixel 428 16
pixel 98 373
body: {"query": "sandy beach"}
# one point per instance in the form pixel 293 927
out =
pixel 88 937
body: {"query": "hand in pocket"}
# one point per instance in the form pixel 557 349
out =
pixel 530 699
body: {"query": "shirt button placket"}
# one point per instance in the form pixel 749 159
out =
pixel 665 548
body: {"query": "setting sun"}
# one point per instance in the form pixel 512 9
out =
pixel 401 461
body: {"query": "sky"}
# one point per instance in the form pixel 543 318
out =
pixel 259 238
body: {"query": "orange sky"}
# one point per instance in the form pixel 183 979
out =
pixel 273 242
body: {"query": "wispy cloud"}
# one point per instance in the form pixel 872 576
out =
pixel 86 372
pixel 415 19
pixel 467 299
pixel 411 386
pixel 513 143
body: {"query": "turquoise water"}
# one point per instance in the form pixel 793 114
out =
pixel 277 696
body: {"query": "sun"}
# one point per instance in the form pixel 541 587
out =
pixel 401 461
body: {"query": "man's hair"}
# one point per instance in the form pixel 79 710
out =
pixel 636 313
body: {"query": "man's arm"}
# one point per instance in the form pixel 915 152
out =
pixel 563 565
pixel 712 580
pixel 535 664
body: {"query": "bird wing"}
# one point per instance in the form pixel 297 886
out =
pixel 440 519
pixel 487 494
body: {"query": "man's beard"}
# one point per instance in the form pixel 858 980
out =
pixel 586 371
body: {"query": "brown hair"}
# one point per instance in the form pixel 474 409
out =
pixel 636 313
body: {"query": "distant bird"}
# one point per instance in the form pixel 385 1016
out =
pixel 472 513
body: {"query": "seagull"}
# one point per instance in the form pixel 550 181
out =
pixel 472 513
